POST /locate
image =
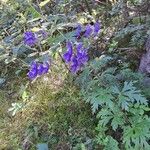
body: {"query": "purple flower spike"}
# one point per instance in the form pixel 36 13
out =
pixel 79 47
pixel 74 66
pixel 46 67
pixel 29 38
pixel 67 56
pixel 88 31
pixel 78 30
pixel 96 28
pixel 82 57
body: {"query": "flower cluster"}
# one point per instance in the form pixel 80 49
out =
pixel 75 56
pixel 31 38
pixel 38 69
pixel 78 56
pixel 75 60
pixel 89 30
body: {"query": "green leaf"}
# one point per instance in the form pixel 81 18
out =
pixel 61 38
pixel 105 116
pixel 137 135
pixel 112 144
pixel 34 12
pixel 115 116
pixel 129 95
pixel 98 97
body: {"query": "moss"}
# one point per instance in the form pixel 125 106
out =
pixel 7 134
pixel 54 113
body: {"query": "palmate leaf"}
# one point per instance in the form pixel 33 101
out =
pixel 129 95
pixel 105 116
pixel 118 118
pixel 109 142
pixel 112 144
pixel 114 116
pixel 124 102
pixel 137 135
pixel 133 94
pixel 98 97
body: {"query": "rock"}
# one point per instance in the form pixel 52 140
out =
pixel 144 66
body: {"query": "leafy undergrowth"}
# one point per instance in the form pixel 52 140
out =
pixel 52 112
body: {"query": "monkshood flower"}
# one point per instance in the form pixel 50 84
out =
pixel 67 56
pixel 82 55
pixel 38 69
pixel 46 67
pixel 33 70
pixel 88 31
pixel 79 59
pixel 43 68
pixel 74 66
pixel 29 38
pixel 79 47
pixel 96 28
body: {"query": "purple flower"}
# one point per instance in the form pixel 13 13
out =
pixel 74 65
pixel 37 69
pixel 79 59
pixel 96 28
pixel 79 47
pixel 29 38
pixel 32 74
pixel 82 55
pixel 46 67
pixel 88 31
pixel 34 65
pixel 40 69
pixel 78 30
pixel 67 56
pixel 43 68
pixel 33 71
